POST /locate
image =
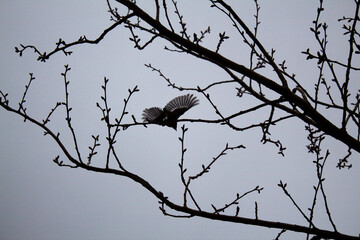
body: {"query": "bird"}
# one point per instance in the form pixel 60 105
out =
pixel 169 115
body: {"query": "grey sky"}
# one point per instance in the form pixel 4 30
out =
pixel 39 200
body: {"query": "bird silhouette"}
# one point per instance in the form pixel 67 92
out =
pixel 171 112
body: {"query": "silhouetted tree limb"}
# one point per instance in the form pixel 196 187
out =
pixel 62 46
pixel 317 119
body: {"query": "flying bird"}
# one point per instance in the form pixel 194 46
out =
pixel 171 112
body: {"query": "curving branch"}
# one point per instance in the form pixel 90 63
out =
pixel 77 163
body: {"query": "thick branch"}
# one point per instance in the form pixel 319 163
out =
pixel 321 122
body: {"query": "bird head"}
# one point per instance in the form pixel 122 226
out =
pixel 172 124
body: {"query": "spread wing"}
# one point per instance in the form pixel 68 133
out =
pixel 179 105
pixel 153 115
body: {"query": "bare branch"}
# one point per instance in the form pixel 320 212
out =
pixel 62 46
pixel 68 109
pixel 21 103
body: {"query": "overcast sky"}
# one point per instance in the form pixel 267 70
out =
pixel 39 200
